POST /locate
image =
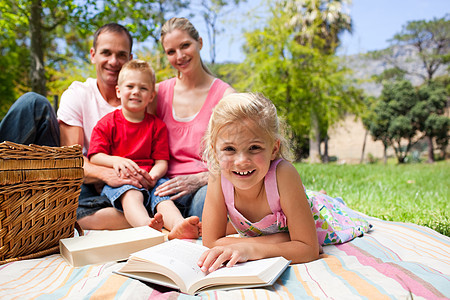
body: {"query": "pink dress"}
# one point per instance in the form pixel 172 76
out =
pixel 335 222
pixel 185 137
pixel 273 223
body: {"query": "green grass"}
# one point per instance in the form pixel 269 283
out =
pixel 412 193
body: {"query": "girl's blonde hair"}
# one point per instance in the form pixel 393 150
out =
pixel 239 107
pixel 182 24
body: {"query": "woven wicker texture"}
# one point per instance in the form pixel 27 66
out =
pixel 39 189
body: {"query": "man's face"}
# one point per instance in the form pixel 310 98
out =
pixel 113 51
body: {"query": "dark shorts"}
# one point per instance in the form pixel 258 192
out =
pixel 90 201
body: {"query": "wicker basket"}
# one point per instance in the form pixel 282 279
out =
pixel 39 189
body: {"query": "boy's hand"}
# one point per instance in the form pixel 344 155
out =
pixel 125 167
pixel 152 181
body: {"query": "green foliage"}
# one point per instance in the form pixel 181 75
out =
pixel 403 115
pixel 65 29
pixel 392 74
pixel 391 121
pixel 431 39
pixel 299 79
pixel 412 193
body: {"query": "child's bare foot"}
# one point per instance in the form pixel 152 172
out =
pixel 190 228
pixel 157 222
pixel 322 191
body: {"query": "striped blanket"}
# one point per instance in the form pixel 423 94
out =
pixel 394 260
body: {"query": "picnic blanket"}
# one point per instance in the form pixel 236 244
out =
pixel 393 261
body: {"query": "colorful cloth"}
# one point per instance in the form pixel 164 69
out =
pixel 335 222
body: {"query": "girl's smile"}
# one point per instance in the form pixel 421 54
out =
pixel 244 153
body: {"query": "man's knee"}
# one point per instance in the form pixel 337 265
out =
pixel 32 99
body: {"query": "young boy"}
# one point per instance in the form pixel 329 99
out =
pixel 133 142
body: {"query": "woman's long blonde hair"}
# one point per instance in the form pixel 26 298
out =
pixel 239 107
pixel 182 24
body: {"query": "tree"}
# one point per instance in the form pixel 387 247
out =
pixel 428 116
pixel 14 62
pixel 403 115
pixel 52 27
pixel 301 80
pixel 431 39
pixel 318 24
pixel 212 11
pixel 391 121
pixel 376 120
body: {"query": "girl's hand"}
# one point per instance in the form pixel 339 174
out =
pixel 125 167
pixel 229 255
pixel 179 186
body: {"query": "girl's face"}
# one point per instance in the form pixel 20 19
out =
pixel 183 52
pixel 244 152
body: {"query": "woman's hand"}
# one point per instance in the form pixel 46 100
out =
pixel 229 255
pixel 181 185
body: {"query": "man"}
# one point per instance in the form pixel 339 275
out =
pixel 82 105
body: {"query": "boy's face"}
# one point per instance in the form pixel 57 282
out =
pixel 135 91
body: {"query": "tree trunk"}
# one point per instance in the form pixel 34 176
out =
pixel 325 157
pixel 314 140
pixel 385 154
pixel 430 150
pixel 364 147
pixel 37 72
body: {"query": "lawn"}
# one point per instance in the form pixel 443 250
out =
pixel 412 193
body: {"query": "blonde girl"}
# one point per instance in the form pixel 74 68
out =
pixel 254 186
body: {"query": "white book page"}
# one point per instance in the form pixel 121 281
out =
pixel 179 256
pixel 250 268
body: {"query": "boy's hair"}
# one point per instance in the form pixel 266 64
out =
pixel 185 25
pixel 137 65
pixel 112 27
pixel 238 107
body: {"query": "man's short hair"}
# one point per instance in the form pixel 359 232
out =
pixel 112 27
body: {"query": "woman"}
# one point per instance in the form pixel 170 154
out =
pixel 185 104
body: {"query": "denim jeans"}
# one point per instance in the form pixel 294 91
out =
pixel 30 120
pixel 90 201
pixel 114 194
pixel 192 204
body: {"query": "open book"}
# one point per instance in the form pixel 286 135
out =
pixel 174 264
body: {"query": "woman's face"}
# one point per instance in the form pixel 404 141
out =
pixel 182 51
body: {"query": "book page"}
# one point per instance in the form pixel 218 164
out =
pixel 179 256
pixel 251 273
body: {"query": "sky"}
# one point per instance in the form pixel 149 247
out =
pixel 374 23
